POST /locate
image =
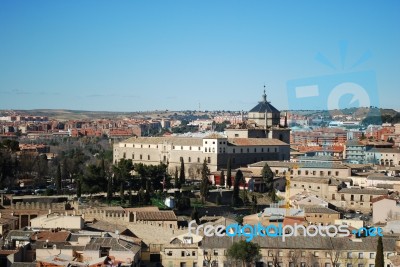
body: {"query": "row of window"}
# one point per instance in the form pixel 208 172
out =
pixel 348 255
pixel 316 264
pixel 307 172
pixel 213 149
pixel 165 158
pixel 352 198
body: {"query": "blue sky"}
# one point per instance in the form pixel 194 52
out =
pixel 157 55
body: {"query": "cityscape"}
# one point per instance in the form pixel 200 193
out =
pixel 188 134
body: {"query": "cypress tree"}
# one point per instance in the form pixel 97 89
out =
pixel 58 179
pixel 109 189
pixel 205 172
pixel 229 174
pixel 222 179
pixel 176 179
pixel 182 178
pixel 195 215
pixel 235 195
pixel 379 259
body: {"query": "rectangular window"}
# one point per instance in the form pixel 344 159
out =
pixel 141 157
pixel 148 157
pixel 189 159
pixel 349 255
pixel 209 160
pixel 215 252
pixel 198 160
pixel 372 255
pixel 270 254
pixel 361 255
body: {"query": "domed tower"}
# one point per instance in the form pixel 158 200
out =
pixel 264 114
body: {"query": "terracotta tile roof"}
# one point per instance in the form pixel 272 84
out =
pixel 60 236
pixel 179 141
pixel 319 209
pixel 255 142
pixel 364 191
pixel 377 199
pixel 156 216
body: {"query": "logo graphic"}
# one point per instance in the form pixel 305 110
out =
pixel 337 91
pixel 272 230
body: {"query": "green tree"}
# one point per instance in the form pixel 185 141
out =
pixel 254 204
pixel 379 259
pixel 93 182
pixel 222 179
pixel 195 215
pixel 244 252
pixel 182 178
pixel 205 182
pixel 268 179
pixel 218 199
pixel 229 173
pixel 58 179
pixel 235 196
pixel 177 184
pixel 109 189
pixel 122 174
pixel 10 145
pixel 79 187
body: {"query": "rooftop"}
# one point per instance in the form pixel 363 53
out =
pixel 319 209
pixel 368 191
pixel 292 165
pixel 168 215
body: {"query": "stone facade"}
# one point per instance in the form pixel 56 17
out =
pixel 214 149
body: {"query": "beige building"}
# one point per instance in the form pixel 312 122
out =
pixel 356 198
pixel 320 215
pixel 385 209
pixel 53 221
pixel 306 169
pixel 258 139
pixel 214 149
pixel 298 251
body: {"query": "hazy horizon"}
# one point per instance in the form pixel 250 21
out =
pixel 177 55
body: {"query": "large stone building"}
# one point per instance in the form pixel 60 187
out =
pixel 214 149
pixel 260 138
pixel 263 122
pixel 295 251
